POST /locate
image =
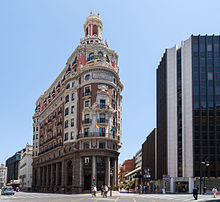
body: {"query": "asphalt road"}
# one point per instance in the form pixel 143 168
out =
pixel 117 197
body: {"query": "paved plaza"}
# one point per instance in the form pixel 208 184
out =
pixel 117 197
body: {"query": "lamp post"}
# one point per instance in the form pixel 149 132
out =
pixel 206 164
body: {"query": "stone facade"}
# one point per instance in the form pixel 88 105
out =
pixel 79 120
pixel 25 168
pixel 3 175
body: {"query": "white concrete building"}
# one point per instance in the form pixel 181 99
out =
pixel 3 175
pixel 25 168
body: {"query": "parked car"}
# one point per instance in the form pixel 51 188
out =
pixel 8 190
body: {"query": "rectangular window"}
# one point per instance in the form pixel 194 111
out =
pixel 102 145
pixel 86 145
pixel 72 108
pixel 102 118
pixel 66 111
pixel 102 132
pixel 87 91
pixel 72 122
pixel 87 103
pixel 66 137
pixel 102 104
pixel 72 96
pixel 72 134
pixel 86 132
pixel 67 99
pixel 66 124
pixel 73 84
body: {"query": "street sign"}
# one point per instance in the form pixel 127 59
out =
pixel 166 178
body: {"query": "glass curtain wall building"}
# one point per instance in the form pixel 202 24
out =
pixel 188 113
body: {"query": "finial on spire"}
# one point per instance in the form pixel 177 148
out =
pixel 98 14
pixel 90 12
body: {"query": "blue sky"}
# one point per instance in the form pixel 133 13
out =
pixel 37 37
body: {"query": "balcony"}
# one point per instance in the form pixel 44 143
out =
pixel 89 93
pixel 97 134
pixel 87 121
pixel 102 120
pixel 51 148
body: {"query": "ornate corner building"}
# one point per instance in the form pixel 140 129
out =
pixel 77 121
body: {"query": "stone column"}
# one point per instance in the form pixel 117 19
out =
pixel 39 175
pixel 114 183
pixel 47 175
pixel 51 176
pixel 107 171
pixel 63 174
pixel 91 30
pixel 94 169
pixel 80 171
pixel 57 173
pixel 44 176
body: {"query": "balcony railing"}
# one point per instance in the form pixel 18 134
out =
pixel 85 121
pixel 97 134
pixel 103 106
pixel 50 148
pixel 87 93
pixel 102 120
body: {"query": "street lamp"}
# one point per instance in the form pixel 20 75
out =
pixel 206 164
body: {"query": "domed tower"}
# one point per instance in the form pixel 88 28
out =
pixel 80 119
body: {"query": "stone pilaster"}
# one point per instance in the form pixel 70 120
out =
pixel 51 174
pixel 57 174
pixel 80 172
pixel 107 171
pixel 63 174
pixel 114 183
pixel 94 169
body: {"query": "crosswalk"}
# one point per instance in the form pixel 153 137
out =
pixel 178 197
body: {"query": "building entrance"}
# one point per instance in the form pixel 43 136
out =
pixel 100 163
pixel 182 186
pixel 87 172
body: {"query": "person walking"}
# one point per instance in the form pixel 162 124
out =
pixel 195 193
pixel 105 191
pixel 102 190
pixel 214 191
pixel 94 190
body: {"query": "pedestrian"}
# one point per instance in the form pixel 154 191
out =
pixel 102 190
pixel 214 191
pixel 127 188
pixel 195 193
pixel 94 190
pixel 106 191
pixel 145 189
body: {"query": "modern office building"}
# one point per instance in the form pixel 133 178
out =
pixel 12 165
pixel 79 119
pixel 3 176
pixel 25 168
pixel 149 157
pixel 188 113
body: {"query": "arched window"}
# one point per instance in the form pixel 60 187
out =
pixel 69 169
pixel 95 30
pixel 100 55
pixel 91 56
pixel 87 77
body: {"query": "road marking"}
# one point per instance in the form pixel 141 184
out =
pixel 97 200
pixel 55 200
pixel 116 199
pixel 78 199
pixel 134 199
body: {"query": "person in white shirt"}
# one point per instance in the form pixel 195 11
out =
pixel 214 191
